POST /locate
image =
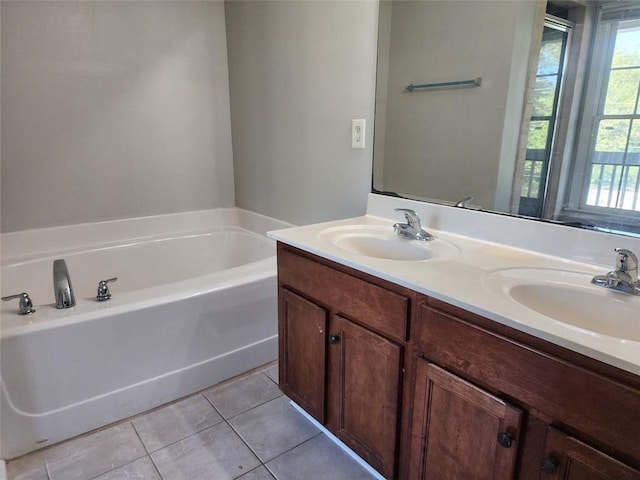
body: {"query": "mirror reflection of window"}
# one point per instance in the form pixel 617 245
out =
pixel 543 118
pixel 575 155
pixel 615 160
pixel 609 140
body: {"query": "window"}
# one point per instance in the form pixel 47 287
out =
pixel 543 117
pixel 607 163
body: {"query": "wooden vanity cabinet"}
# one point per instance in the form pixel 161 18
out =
pixel 364 392
pixel 302 335
pixel 341 340
pixel 424 390
pixel 570 459
pixel 568 416
pixel 459 430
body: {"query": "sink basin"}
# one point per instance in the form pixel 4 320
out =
pixel 380 241
pixel 569 298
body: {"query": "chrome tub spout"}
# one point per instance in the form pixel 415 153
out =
pixel 62 288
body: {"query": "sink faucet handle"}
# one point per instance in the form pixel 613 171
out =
pixel 25 306
pixel 627 260
pixel 103 290
pixel 412 217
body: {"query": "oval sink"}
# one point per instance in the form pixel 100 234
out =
pixel 382 242
pixel 569 297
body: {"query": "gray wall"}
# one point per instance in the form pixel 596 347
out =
pixel 299 72
pixel 113 110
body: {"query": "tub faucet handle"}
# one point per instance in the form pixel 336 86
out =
pixel 103 289
pixel 25 306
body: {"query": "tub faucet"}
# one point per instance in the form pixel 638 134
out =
pixel 62 288
pixel 624 278
pixel 412 228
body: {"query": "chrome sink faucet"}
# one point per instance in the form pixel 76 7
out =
pixel 464 203
pixel 624 278
pixel 412 228
pixel 62 288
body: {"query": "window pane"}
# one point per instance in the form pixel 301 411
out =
pixel 544 95
pixel 614 179
pixel 550 52
pixel 622 92
pixel 627 50
pixel 612 136
pixel 535 183
pixel 531 178
pixel 603 185
pixel 634 143
pixel 629 194
pixel 594 190
pixel 538 131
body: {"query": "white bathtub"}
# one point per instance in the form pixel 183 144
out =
pixel 194 304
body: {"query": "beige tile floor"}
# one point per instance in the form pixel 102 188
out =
pixel 243 428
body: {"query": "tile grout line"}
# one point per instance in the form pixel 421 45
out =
pixel 46 466
pixel 245 443
pixel 226 420
pixel 132 460
pixel 273 474
pixel 245 411
pixel 277 456
pixel 277 383
pixel 189 435
pixel 155 467
pixel 223 420
pixel 201 394
pixel 339 443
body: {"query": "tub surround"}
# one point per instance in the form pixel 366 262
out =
pixel 487 243
pixel 65 372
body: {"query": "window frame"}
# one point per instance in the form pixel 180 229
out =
pixel 553 135
pixel 602 47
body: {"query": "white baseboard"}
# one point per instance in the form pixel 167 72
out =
pixel 338 442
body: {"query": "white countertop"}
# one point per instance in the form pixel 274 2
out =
pixel 461 280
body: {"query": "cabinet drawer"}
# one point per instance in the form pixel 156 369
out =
pixel 374 307
pixel 600 407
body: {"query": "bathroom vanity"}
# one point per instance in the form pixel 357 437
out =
pixel 430 386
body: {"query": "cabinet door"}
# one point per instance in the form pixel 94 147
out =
pixel 460 431
pixel 570 459
pixel 302 331
pixel 364 382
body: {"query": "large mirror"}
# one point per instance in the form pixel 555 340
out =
pixel 530 108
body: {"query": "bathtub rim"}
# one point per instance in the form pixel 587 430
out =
pixel 40 241
pixel 29 245
pixel 48 317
